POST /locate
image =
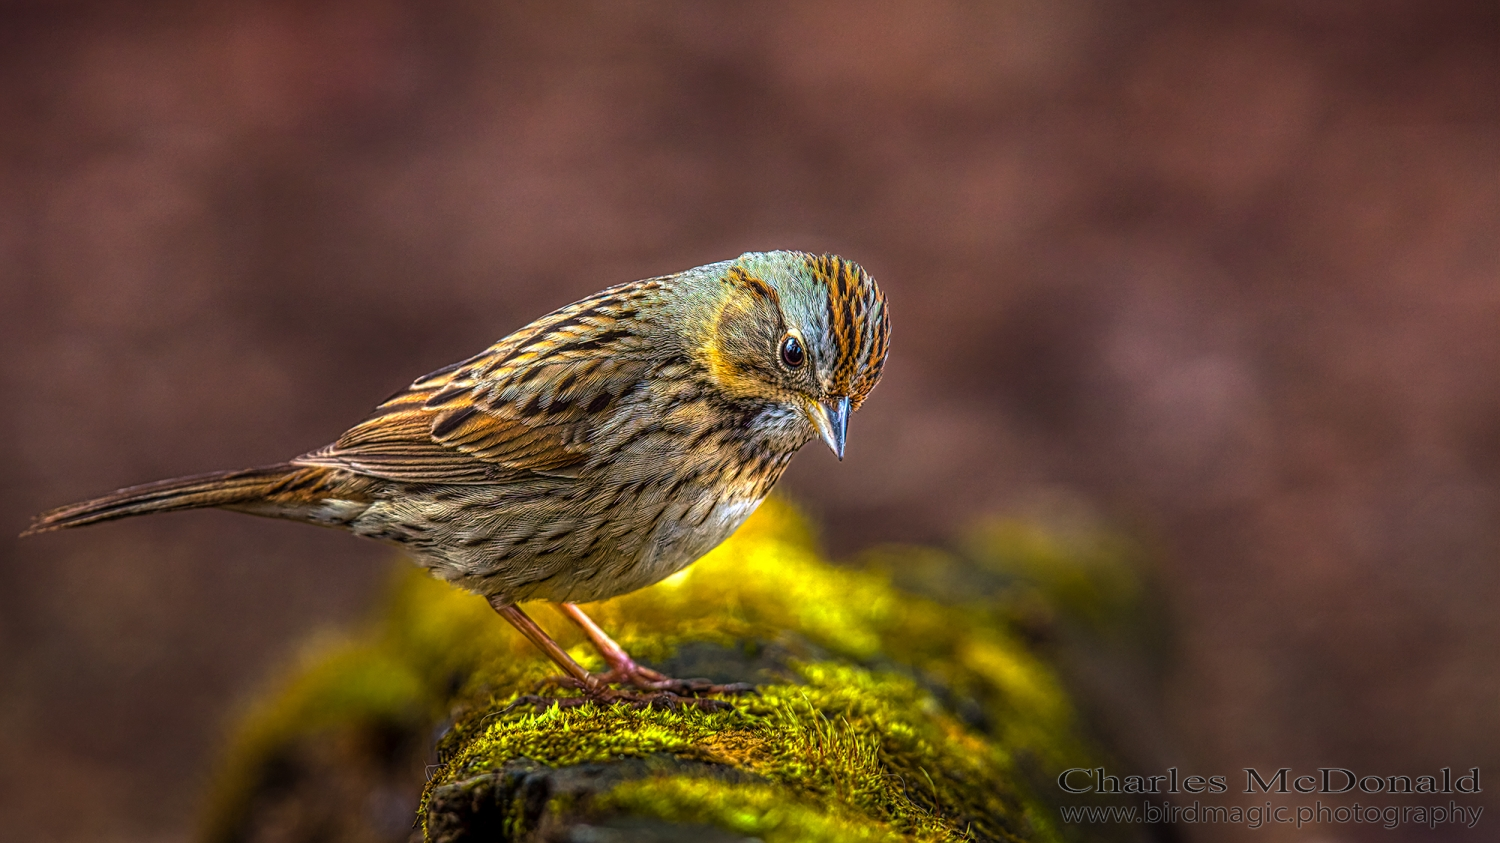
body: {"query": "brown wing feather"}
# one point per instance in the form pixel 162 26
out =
pixel 528 405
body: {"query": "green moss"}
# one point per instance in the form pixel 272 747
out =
pixel 341 685
pixel 881 716
pixel 1092 577
pixel 762 811
pixel 875 744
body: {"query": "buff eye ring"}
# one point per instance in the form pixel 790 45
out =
pixel 791 352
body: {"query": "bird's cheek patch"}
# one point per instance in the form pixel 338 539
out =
pixel 738 338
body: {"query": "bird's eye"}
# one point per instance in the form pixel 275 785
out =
pixel 791 352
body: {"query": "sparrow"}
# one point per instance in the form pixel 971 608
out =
pixel 593 452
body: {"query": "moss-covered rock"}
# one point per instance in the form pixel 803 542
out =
pixel 880 716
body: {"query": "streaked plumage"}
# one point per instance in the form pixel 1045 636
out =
pixel 593 452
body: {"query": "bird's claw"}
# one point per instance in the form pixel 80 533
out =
pixel 680 687
pixel 603 695
pixel 646 679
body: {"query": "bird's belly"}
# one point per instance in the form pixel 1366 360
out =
pixel 679 541
pixel 545 550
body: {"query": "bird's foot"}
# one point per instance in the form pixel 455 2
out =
pixel 628 672
pixel 599 693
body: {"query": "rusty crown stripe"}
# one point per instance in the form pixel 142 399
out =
pixel 857 321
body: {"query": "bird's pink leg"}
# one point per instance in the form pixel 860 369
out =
pixel 595 687
pixel 624 670
pixel 538 636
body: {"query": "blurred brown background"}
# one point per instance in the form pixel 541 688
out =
pixel 1225 272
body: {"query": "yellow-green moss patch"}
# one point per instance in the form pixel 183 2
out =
pixel 880 715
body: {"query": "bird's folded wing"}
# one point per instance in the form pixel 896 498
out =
pixel 470 425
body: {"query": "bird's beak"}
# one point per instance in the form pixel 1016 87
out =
pixel 831 418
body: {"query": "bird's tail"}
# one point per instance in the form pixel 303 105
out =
pixel 223 488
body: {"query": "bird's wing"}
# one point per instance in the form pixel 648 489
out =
pixel 528 405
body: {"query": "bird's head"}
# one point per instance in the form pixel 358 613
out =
pixel 806 332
